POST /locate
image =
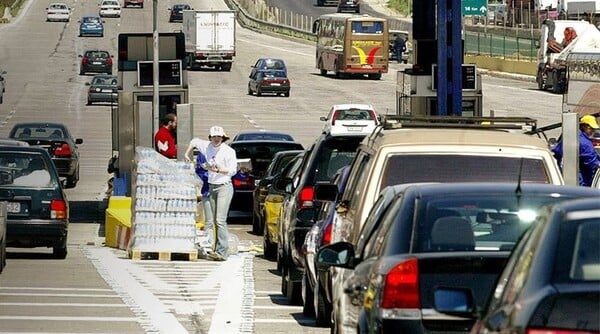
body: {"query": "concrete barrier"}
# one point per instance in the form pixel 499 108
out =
pixel 503 65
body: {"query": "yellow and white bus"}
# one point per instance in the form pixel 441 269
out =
pixel 352 44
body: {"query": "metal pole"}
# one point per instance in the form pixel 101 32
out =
pixel 155 97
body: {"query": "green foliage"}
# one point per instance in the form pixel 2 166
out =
pixel 401 6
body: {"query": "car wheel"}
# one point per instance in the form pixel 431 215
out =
pixel 249 90
pixel 293 292
pixel 258 92
pixel 72 179
pixel 375 76
pixel 269 248
pixel 255 224
pixel 307 297
pixel 89 102
pixel 322 308
pixel 2 254
pixel 60 251
pixel 286 94
pixel 539 78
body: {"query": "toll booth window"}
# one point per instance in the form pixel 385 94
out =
pixel 367 27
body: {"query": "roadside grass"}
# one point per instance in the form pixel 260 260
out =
pixel 401 6
pixel 9 3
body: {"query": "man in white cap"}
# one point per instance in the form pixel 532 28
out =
pixel 221 163
pixel 589 160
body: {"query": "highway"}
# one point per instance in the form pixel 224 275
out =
pixel 98 289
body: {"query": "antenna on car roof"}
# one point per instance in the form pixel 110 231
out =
pixel 519 191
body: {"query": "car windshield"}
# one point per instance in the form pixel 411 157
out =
pixel 24 170
pixel 104 81
pixel 274 64
pixel 354 115
pixel 275 74
pixel 38 133
pixel 58 6
pixel 91 20
pixel 97 54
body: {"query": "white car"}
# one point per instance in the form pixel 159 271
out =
pixel 110 8
pixel 58 11
pixel 350 118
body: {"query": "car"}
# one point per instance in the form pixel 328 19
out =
pixel 347 118
pixel 176 12
pixel 394 153
pixel 268 63
pixel 91 26
pixel 102 88
pixel 262 185
pixel 261 135
pixel 322 160
pixel 96 61
pixel 139 3
pixel 270 82
pixel 2 236
pixel 58 11
pixel 316 284
pixel 258 154
pixel 550 282
pixel 432 235
pixel 2 86
pixel 110 8
pixel 348 6
pixel 12 142
pixel 57 140
pixel 37 208
pixel 272 207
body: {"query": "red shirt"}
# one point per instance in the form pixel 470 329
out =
pixel 164 143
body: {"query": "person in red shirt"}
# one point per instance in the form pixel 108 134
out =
pixel 164 140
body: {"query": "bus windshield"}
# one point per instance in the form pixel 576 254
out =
pixel 367 27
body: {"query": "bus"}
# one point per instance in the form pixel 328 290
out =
pixel 350 44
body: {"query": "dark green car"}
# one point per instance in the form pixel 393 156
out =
pixel 37 208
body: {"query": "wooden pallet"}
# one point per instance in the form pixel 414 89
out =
pixel 137 254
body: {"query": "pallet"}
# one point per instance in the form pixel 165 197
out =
pixel 137 254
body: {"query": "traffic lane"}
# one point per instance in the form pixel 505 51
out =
pixel 61 295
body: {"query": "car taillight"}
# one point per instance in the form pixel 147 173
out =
pixel 555 331
pixel 373 116
pixel 401 289
pixel 333 117
pixel 306 197
pixel 327 234
pixel 58 209
pixel 243 183
pixel 84 60
pixel 63 150
pixel 108 61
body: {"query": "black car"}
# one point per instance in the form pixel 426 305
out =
pixel 277 165
pixel 263 135
pixel 452 235
pixel 551 283
pixel 37 209
pixel 258 155
pixel 102 88
pixel 2 236
pixel 269 82
pixel 323 159
pixel 57 140
pixel 96 61
pixel 316 284
pixel 176 12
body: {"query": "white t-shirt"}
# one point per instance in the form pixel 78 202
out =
pixel 223 157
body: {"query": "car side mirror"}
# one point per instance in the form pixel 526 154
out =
pixel 455 301
pixel 78 141
pixel 339 254
pixel 88 83
pixel 323 118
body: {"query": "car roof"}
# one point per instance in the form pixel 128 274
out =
pixel 39 124
pixel 263 142
pixel 352 106
pixel 425 189
pixel 32 149
pixel 12 142
pixel 455 136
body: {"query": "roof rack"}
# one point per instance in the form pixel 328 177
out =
pixel 524 124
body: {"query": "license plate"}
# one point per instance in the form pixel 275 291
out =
pixel 275 84
pixel 13 207
pixel 97 63
pixel 107 91
pixel 354 128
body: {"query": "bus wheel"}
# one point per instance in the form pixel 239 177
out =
pixel 375 76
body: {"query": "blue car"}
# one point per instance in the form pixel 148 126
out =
pixel 91 26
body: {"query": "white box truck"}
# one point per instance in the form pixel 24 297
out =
pixel 209 38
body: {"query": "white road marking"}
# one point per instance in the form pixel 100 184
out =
pixel 47 318
pixel 64 304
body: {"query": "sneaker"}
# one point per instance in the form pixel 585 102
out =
pixel 215 257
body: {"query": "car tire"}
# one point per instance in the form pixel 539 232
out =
pixel 2 254
pixel 322 308
pixel 307 297
pixel 60 251
pixel 292 289
pixel 255 224
pixel 286 94
pixel 375 76
pixel 258 92
pixel 73 179
pixel 226 67
pixel 249 90
pixel 539 78
pixel 89 102
pixel 269 248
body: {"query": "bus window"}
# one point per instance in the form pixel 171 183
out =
pixel 367 27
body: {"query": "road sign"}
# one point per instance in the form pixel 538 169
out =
pixel 474 7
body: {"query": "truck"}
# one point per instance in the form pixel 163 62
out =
pixel 588 10
pixel 209 38
pixel 579 36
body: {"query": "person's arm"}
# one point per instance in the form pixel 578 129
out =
pixel 229 166
pixel 588 156
pixel 188 152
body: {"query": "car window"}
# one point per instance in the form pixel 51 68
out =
pixel 97 54
pixel 91 20
pixel 261 154
pixel 579 248
pixel 359 177
pixel 409 168
pixel 353 114
pixel 24 170
pixel 275 74
pixel 333 154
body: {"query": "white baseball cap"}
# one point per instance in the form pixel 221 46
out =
pixel 217 131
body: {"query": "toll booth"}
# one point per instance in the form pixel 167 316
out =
pixel 134 122
pixel 416 94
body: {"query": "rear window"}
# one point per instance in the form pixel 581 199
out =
pixel 24 170
pixel 261 154
pixel 97 54
pixel 407 168
pixel 38 132
pixel 353 114
pixel 333 154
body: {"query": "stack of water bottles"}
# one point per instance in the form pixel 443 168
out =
pixel 165 203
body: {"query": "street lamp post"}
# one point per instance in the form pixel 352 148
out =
pixel 155 82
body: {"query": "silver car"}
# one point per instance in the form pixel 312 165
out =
pixel 103 88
